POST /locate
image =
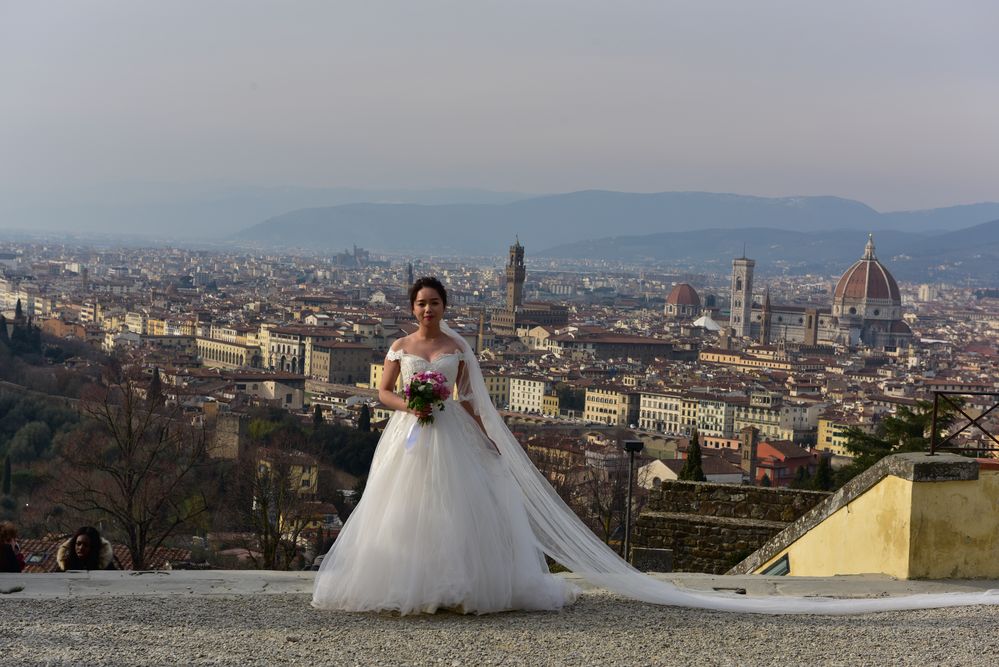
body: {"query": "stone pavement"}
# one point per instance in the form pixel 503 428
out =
pixel 264 618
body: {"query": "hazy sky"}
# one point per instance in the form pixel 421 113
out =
pixel 893 102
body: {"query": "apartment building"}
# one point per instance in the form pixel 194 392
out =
pixel 659 411
pixel 614 406
pixel 527 393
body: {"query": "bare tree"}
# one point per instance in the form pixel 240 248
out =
pixel 277 508
pixel 601 499
pixel 600 502
pixel 133 462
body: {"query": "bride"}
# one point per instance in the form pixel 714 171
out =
pixel 441 523
pixel 455 516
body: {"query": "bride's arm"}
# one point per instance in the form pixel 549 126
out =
pixel 386 390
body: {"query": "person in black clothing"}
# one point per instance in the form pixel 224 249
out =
pixel 11 559
pixel 85 550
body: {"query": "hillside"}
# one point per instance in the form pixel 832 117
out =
pixel 551 221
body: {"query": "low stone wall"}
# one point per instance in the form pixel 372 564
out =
pixel 712 527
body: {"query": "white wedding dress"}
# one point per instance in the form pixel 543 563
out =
pixel 446 522
pixel 441 523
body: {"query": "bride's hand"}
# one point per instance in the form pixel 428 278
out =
pixel 425 412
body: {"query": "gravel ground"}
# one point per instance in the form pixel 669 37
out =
pixel 600 629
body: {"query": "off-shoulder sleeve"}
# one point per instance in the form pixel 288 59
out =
pixel 394 355
pixel 465 392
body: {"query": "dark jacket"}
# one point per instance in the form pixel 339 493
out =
pixel 10 561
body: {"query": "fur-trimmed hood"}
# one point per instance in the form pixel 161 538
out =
pixel 104 558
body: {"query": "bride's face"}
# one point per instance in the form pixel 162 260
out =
pixel 428 307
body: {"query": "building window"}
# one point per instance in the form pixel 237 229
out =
pixel 781 568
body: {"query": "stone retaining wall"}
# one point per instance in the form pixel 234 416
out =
pixel 712 527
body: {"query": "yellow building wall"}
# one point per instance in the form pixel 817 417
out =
pixel 830 437
pixel 869 535
pixel 156 327
pixel 909 530
pixel 376 375
pixel 955 529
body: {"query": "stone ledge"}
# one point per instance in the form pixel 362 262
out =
pixel 921 467
pixel 266 583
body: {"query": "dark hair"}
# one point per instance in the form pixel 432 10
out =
pixel 7 531
pixel 93 559
pixel 432 283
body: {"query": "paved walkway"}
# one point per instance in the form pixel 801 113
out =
pixel 256 582
pixel 263 618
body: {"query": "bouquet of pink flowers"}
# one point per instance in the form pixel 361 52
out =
pixel 426 390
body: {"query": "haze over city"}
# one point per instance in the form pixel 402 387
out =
pixel 112 109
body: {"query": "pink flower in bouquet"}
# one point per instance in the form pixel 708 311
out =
pixel 427 389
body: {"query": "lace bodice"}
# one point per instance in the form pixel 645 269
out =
pixel 411 364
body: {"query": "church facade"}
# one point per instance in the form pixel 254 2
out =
pixel 866 309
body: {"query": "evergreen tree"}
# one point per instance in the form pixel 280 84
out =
pixel 802 480
pixel 18 342
pixel 35 339
pixel 691 471
pixel 18 311
pixel 4 336
pixel 908 430
pixel 765 480
pixel 823 480
pixel 364 420
pixel 6 476
pixel 155 392
pixel 25 338
pixel 317 416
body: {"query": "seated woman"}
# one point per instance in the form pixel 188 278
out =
pixel 11 559
pixel 85 550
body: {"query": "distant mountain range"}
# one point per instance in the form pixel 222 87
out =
pixel 182 212
pixel 693 229
pixel 797 234
pixel 953 256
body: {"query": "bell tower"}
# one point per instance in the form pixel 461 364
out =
pixel 741 307
pixel 765 322
pixel 515 274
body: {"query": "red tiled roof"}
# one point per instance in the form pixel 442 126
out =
pixel 683 295
pixel 867 279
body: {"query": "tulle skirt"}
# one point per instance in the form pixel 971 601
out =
pixel 441 525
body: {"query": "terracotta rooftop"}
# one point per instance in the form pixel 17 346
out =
pixel 683 294
pixel 867 279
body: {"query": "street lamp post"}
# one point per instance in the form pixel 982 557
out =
pixel 632 447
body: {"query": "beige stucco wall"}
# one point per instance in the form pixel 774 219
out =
pixel 955 529
pixel 921 530
pixel 871 534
